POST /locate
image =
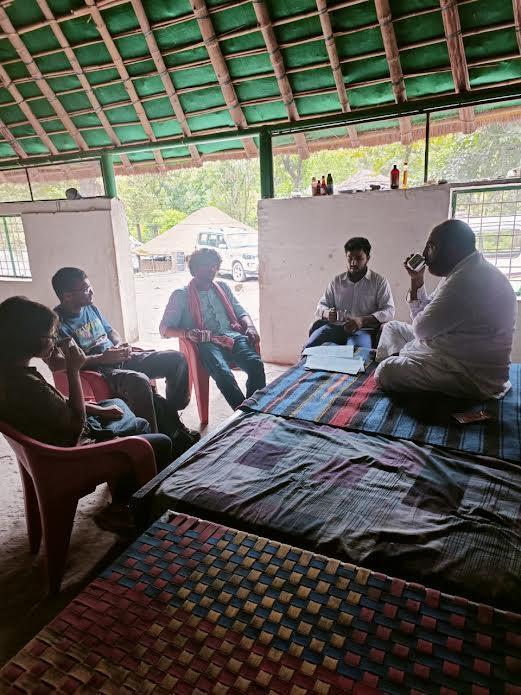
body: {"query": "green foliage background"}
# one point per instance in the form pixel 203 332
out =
pixel 156 202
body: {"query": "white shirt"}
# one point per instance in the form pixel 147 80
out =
pixel 470 318
pixel 370 296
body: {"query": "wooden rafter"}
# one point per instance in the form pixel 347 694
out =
pixel 327 30
pixel 458 61
pixel 165 76
pixel 277 62
pixel 385 20
pixel 516 5
pixel 75 65
pixel 39 78
pixel 205 24
pixel 10 138
pixel 123 73
pixel 26 109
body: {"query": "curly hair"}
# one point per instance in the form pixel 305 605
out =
pixel 201 257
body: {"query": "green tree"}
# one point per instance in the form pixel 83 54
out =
pixel 167 219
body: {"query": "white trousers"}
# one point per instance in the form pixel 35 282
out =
pixel 413 370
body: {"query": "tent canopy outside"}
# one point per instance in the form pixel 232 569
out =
pixel 183 236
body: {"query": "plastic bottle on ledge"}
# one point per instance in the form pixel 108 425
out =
pixel 329 184
pixel 395 177
pixel 323 186
pixel 405 176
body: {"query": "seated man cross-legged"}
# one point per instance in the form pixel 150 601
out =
pixel 127 369
pixel 460 340
pixel 207 313
pixel 354 304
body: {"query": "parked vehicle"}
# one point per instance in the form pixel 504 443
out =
pixel 238 249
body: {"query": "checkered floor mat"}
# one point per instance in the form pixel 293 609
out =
pixel 196 608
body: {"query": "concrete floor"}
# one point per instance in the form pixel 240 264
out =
pixel 25 606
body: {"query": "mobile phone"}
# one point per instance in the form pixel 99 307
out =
pixel 416 262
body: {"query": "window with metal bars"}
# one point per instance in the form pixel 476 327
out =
pixel 14 260
pixel 494 213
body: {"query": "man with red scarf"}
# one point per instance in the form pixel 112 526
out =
pixel 208 313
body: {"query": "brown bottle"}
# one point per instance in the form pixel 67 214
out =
pixel 395 177
pixel 323 186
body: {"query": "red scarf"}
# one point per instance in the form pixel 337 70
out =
pixel 194 307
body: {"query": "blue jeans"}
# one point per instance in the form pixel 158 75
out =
pixel 331 333
pixel 217 361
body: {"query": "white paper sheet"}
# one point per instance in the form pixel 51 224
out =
pixel 335 364
pixel 342 351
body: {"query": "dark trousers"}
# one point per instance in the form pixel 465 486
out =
pixel 217 361
pixel 162 446
pixel 323 332
pixel 131 382
pixel 126 485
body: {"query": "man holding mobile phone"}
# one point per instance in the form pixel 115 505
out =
pixel 460 339
pixel 355 303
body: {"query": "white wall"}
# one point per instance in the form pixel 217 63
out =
pixel 90 234
pixel 301 249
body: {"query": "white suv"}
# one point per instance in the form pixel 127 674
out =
pixel 238 249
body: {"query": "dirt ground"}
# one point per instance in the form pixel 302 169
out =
pixel 25 606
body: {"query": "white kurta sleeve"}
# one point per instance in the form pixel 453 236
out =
pixel 444 312
pixel 326 302
pixel 385 302
pixel 419 304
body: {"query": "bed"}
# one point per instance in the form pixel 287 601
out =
pixel 427 512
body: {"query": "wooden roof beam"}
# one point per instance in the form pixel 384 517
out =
pixel 458 61
pixel 327 30
pixel 123 73
pixel 516 5
pixel 10 138
pixel 39 78
pixel 78 70
pixel 385 20
pixel 170 89
pixel 211 42
pixel 26 109
pixel 277 62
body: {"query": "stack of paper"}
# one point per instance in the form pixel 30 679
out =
pixel 333 358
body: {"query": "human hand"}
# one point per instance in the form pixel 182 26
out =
pixel 417 276
pixel 114 355
pixel 196 335
pixel 109 413
pixel 352 325
pixel 251 335
pixel 73 354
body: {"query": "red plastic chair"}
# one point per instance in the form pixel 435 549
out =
pixel 55 478
pixel 94 386
pixel 199 377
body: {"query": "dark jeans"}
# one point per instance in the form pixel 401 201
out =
pixel 323 332
pixel 130 382
pixel 217 361
pixel 126 485
pixel 162 446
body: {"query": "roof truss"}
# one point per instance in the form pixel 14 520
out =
pixel 112 72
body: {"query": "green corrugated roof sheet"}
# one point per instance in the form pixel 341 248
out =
pixel 358 41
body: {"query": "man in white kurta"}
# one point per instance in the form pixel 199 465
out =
pixel 461 335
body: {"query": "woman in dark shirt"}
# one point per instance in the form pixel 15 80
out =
pixel 30 404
